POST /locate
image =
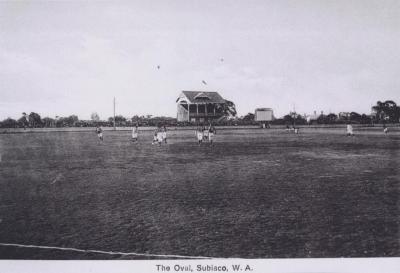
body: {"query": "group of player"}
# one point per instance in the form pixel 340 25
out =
pixel 160 134
pixel 204 133
pixel 294 129
pixel 349 130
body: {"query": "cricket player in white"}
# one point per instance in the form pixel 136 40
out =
pixel 205 134
pixel 99 132
pixel 349 130
pixel 159 136
pixel 135 132
pixel 155 137
pixel 211 133
pixel 164 134
pixel 199 134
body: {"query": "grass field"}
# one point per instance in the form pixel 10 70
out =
pixel 255 194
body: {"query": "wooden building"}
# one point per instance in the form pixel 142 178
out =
pixel 200 106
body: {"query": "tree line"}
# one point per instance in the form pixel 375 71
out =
pixel 383 112
pixel 34 120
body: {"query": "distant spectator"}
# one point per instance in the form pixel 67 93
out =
pixel 211 133
pixel 99 132
pixel 349 130
pixel 199 134
pixel 385 129
pixel 135 132
pixel 159 136
pixel 155 137
pixel 164 134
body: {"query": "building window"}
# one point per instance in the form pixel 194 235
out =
pixel 192 108
pixel 210 108
pixel 202 109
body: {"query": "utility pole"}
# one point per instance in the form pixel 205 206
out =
pixel 371 116
pixel 294 115
pixel 114 115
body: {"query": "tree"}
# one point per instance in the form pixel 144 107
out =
pixel 365 119
pixel 119 120
pixel 294 119
pixel 249 117
pixel 331 118
pixel 95 117
pixel 48 122
pixel 386 111
pixel 72 120
pixel 355 117
pixel 321 119
pixel 9 123
pixel 34 119
pixel 228 109
pixel 68 121
pixel 135 118
pixel 24 120
pixel 300 120
pixel 60 121
pixel 288 119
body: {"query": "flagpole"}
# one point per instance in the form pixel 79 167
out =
pixel 114 115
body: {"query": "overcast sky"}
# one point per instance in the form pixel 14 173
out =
pixel 74 57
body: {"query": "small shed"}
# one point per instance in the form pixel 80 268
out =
pixel 263 114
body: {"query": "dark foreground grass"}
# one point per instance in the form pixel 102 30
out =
pixel 255 194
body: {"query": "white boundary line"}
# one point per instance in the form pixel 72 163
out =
pixel 106 252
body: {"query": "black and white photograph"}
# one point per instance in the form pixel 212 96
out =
pixel 184 134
